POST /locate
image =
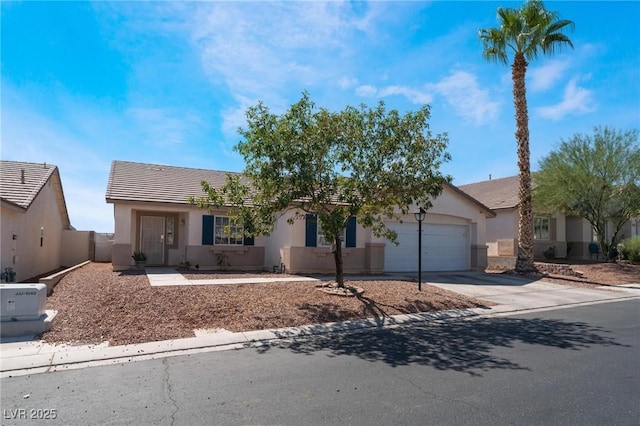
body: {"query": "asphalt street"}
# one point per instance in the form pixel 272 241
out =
pixel 557 367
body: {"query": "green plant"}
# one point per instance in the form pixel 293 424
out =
pixel 550 253
pixel 139 256
pixel 222 260
pixel 632 249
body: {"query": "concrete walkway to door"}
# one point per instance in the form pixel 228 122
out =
pixel 160 277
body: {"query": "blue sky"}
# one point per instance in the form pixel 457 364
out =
pixel 168 82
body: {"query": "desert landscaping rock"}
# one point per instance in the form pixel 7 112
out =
pixel 96 305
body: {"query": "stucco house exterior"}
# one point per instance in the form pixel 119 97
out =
pixel 152 214
pixel 34 218
pixel 570 235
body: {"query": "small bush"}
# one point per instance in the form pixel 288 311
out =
pixel 632 249
pixel 550 253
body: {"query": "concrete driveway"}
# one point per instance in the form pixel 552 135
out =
pixel 521 293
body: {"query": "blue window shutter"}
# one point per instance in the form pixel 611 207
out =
pixel 351 232
pixel 249 241
pixel 207 230
pixel 311 235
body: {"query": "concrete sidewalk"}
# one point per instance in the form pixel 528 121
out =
pixel 159 277
pixel 513 295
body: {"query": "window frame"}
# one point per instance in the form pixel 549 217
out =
pixel 235 235
pixel 321 239
pixel 538 228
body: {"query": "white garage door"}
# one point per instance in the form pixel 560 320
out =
pixel 444 248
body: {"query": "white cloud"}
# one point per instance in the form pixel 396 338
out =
pixel 575 101
pixel 264 50
pixel 415 96
pixel 254 54
pixel 345 82
pixel 463 93
pixel 366 91
pixel 545 76
pixel 164 126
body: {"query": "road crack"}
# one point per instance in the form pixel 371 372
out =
pixel 169 388
pixel 440 397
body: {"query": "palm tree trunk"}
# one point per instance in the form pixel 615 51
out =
pixel 524 262
pixel 337 255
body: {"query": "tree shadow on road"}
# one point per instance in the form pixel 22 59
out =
pixel 460 345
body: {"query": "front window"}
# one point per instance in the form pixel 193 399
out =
pixel 323 241
pixel 541 228
pixel 227 232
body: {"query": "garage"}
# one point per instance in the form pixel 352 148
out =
pixel 444 248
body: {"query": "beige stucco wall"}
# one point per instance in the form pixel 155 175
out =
pixel 502 232
pixel 503 226
pixel 25 254
pixel 451 204
pixel 580 234
pixel 77 247
pixel 278 240
pixel 451 208
pixel 188 234
pixel 287 242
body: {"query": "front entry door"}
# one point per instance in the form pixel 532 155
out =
pixel 152 239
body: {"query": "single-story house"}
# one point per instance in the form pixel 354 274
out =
pixel 570 235
pixel 33 218
pixel 152 215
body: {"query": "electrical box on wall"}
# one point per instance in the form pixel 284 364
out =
pixel 22 302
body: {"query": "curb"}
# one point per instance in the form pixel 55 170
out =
pixel 51 358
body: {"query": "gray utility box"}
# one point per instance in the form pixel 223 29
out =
pixel 22 302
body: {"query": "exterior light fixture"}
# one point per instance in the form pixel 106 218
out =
pixel 420 215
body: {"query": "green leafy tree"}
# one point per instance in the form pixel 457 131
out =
pixel 525 32
pixel 596 177
pixel 367 163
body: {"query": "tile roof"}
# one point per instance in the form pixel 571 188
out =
pixel 20 184
pixel 495 193
pixel 14 189
pixel 130 181
pixel 457 190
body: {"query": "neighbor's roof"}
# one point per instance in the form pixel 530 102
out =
pixel 495 193
pixel 20 184
pixel 130 181
pixel 488 212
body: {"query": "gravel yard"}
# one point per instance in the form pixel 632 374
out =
pixel 95 304
pixel 598 273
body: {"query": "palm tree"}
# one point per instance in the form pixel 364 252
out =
pixel 526 32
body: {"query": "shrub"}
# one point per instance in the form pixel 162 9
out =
pixel 632 249
pixel 550 253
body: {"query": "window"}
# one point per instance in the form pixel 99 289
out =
pixel 315 236
pixel 541 228
pixel 322 238
pixel 170 230
pixel 227 232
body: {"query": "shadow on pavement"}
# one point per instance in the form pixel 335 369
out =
pixel 478 278
pixel 465 346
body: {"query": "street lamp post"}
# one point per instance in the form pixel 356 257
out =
pixel 420 214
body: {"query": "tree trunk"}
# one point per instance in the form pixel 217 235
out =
pixel 525 210
pixel 337 255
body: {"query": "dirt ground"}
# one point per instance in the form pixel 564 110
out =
pixel 95 304
pixel 605 273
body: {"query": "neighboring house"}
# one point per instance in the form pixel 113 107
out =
pixel 34 218
pixel 570 235
pixel 152 215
